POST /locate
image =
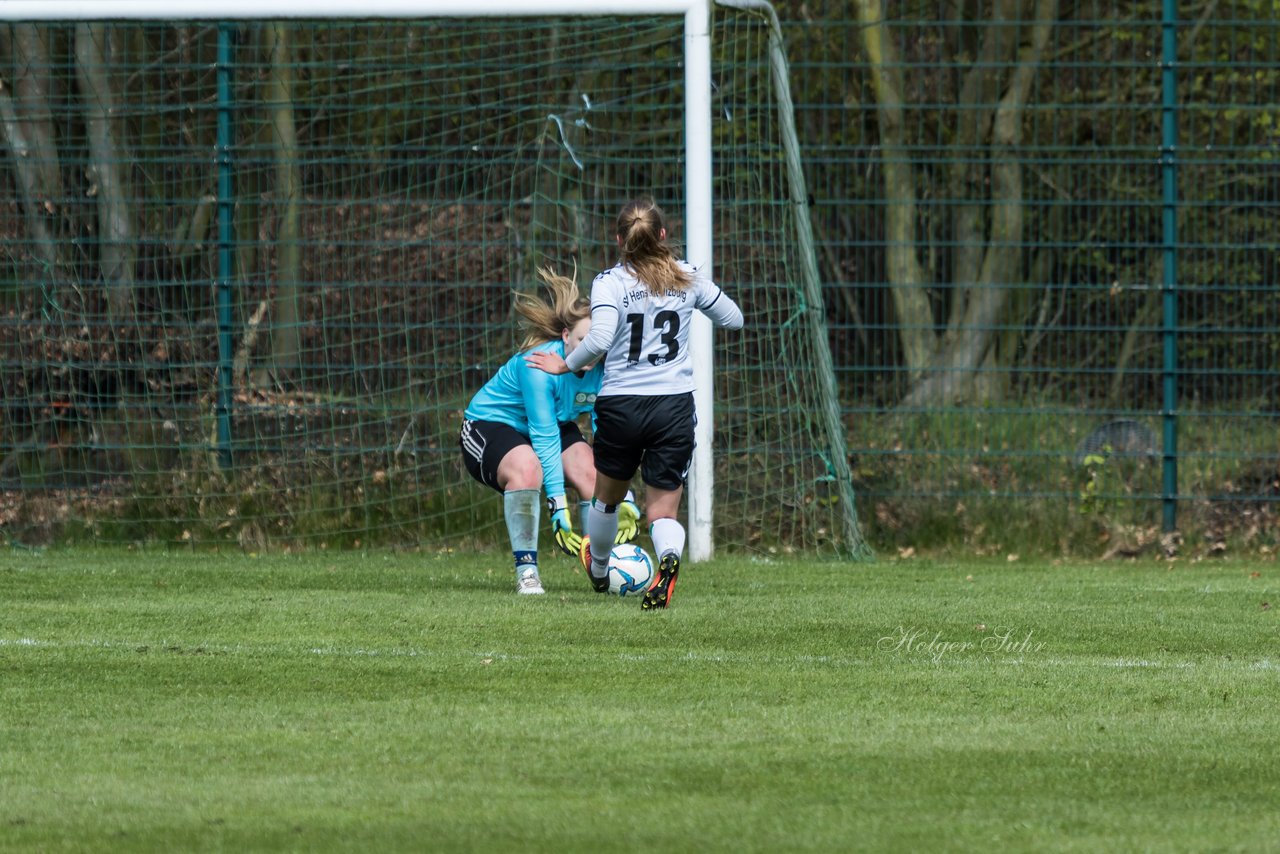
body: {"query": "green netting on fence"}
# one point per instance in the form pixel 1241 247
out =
pixel 1046 226
pixel 256 270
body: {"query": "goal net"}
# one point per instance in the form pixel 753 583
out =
pixel 254 270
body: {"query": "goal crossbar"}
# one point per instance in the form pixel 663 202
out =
pixel 227 10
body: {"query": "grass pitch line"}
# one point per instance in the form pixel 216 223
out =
pixel 972 661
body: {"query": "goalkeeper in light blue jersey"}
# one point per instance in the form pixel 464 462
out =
pixel 520 433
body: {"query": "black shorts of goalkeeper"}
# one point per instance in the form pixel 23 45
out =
pixel 485 443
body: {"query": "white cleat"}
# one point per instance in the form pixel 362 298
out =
pixel 528 583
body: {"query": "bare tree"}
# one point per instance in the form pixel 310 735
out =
pixel 986 192
pixel 95 51
pixel 288 193
pixel 906 276
pixel 26 122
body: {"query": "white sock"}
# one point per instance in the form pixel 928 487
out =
pixel 602 527
pixel 668 537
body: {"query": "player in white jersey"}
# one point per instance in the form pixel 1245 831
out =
pixel 641 311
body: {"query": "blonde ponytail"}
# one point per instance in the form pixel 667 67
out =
pixel 644 251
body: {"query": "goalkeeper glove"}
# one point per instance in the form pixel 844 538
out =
pixel 562 525
pixel 628 520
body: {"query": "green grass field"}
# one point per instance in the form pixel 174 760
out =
pixel 155 701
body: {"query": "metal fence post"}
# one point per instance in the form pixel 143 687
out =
pixel 1169 180
pixel 226 237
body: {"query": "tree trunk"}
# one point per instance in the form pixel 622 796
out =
pixel 907 280
pixel 968 346
pixel 27 125
pixel 975 111
pixel 117 243
pixel 285 345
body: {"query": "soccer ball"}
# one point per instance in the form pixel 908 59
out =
pixel 630 570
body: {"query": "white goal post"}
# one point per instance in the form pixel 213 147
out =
pixel 697 110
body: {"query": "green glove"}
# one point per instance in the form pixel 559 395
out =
pixel 562 526
pixel 628 520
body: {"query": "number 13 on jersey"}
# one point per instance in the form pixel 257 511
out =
pixel 662 338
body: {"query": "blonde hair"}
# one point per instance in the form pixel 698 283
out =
pixel 542 320
pixel 644 253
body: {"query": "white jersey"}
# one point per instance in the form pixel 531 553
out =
pixel 645 338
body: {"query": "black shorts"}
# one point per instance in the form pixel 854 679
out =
pixel 485 443
pixel 654 434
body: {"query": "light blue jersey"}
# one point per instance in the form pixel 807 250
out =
pixel 534 403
